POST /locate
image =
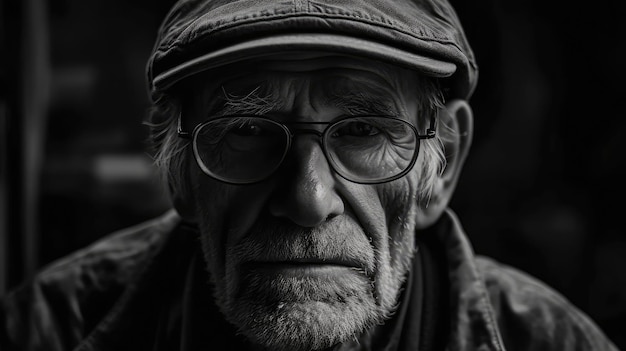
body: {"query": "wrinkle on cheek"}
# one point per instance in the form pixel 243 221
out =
pixel 366 205
pixel 399 199
pixel 212 205
pixel 244 209
pixel 387 214
pixel 365 202
pixel 227 214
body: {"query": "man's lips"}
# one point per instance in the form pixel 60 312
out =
pixel 304 267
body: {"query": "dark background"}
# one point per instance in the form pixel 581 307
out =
pixel 543 189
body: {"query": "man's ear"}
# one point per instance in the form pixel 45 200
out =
pixel 455 128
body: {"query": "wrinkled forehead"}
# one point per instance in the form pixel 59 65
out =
pixel 325 76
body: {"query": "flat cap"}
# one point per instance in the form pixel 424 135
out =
pixel 423 35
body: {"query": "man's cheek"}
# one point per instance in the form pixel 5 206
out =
pixel 398 198
pixel 213 204
pixel 233 209
pixel 212 199
pixel 400 203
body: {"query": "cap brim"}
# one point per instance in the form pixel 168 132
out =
pixel 284 43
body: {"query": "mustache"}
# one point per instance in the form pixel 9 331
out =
pixel 340 240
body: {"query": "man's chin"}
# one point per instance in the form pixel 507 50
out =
pixel 316 309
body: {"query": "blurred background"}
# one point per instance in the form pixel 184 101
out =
pixel 543 189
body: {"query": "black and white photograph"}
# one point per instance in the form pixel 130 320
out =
pixel 312 175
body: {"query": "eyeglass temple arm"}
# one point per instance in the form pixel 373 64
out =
pixel 431 132
pixel 179 129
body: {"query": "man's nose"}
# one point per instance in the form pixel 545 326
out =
pixel 306 191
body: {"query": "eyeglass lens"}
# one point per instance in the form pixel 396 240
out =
pixel 249 149
pixel 371 148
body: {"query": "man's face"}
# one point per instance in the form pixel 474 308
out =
pixel 306 259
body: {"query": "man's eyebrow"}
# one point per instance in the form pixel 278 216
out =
pixel 353 98
pixel 363 102
pixel 362 95
pixel 253 102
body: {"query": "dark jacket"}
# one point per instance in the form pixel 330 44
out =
pixel 145 288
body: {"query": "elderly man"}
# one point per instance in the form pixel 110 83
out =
pixel 311 148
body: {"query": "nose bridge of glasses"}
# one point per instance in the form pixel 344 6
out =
pixel 296 128
pixel 300 129
pixel 303 128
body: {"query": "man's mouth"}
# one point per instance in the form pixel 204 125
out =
pixel 304 267
pixel 302 279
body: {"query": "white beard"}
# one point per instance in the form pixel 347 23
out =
pixel 309 311
pixel 299 312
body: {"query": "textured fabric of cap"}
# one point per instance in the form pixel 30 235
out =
pixel 424 35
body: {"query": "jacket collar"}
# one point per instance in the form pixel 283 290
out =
pixel 473 320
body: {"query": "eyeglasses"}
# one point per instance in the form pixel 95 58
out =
pixel 241 149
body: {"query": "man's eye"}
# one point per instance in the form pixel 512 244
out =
pixel 247 130
pixel 359 129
